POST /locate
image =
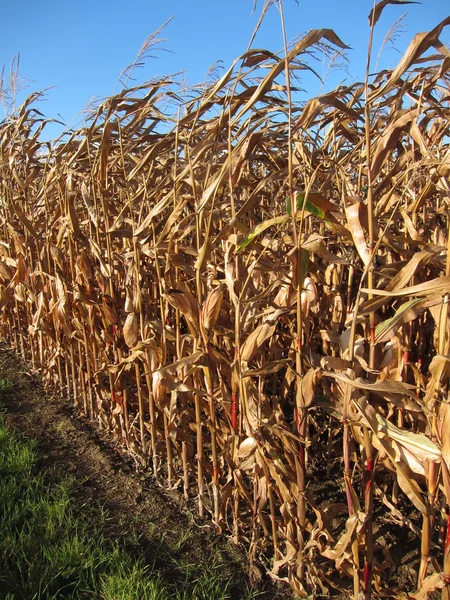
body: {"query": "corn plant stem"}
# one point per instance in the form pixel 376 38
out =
pixel 68 382
pixel 236 374
pixel 60 381
pixel 164 353
pixel 368 504
pixel 255 521
pixel 213 426
pixel 152 411
pixel 20 334
pixel 30 317
pixel 273 519
pixel 33 352
pixel 443 345
pixel 120 397
pixel 116 350
pixel 367 435
pixel 182 397
pixel 183 401
pixel 446 575
pixel 14 335
pixel 235 497
pixel 73 374
pixel 237 308
pixel 81 377
pixel 199 429
pixel 395 486
pixel 96 375
pixel 350 493
pixel 91 407
pixel 425 545
pixel 168 450
pixel 302 417
pixel 185 461
pixel 141 409
pixel 198 410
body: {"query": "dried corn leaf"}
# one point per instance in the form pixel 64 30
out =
pixel 248 239
pixel 196 359
pixel 375 13
pixel 404 314
pixel 430 584
pixel 255 340
pixel 211 309
pixel 405 481
pixel 131 330
pixel 420 44
pixel 268 369
pixel 382 387
pixel 358 235
pixel 440 285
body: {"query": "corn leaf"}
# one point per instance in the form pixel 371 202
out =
pixel 249 238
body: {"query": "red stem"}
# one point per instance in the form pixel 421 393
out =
pixel 369 471
pixel 234 411
pixel 446 574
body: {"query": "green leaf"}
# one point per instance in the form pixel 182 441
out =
pixel 304 262
pixel 314 203
pixel 406 312
pixel 259 229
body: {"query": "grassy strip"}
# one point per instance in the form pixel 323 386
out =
pixel 50 548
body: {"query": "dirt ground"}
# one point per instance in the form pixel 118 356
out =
pixel 168 533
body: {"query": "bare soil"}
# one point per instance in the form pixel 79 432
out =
pixel 151 520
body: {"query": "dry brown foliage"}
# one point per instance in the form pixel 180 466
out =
pixel 238 343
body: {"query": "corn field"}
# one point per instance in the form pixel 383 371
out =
pixel 251 294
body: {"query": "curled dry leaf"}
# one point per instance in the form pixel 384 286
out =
pixel 58 256
pixel 131 330
pixel 184 301
pixel 382 387
pixel 159 390
pixel 404 314
pixel 85 268
pixel 358 235
pixel 6 295
pixel 255 340
pixel 414 448
pixel 440 368
pixel 90 206
pixel 6 272
pixel 20 293
pixel 195 359
pixel 246 447
pixel 309 294
pixel 109 310
pixel 211 310
pixel 129 303
pixel 430 584
pixel 440 285
pixel 21 274
pixel 375 13
pixel 444 414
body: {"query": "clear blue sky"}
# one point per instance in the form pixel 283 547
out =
pixel 81 47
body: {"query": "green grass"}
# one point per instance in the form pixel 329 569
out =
pixel 51 549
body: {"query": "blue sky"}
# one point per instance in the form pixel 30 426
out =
pixel 82 47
